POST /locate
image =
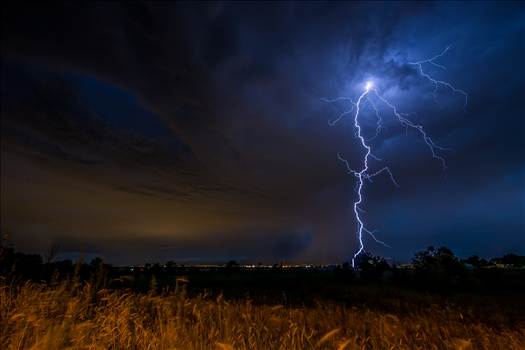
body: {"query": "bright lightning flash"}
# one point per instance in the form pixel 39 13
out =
pixel 370 92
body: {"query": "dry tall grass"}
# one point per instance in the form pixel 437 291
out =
pixel 79 317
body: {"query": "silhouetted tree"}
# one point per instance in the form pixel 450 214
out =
pixel 511 260
pixel 26 265
pixel 436 266
pixel 476 261
pixel 371 266
pixel 95 263
pixel 232 264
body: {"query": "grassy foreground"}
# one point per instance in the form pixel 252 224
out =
pixel 34 316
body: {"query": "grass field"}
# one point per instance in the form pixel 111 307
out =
pixel 77 316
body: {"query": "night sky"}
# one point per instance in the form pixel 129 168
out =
pixel 198 132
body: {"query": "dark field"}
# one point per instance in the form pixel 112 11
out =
pixel 174 307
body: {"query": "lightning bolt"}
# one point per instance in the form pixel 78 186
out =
pixel 437 83
pixel 364 174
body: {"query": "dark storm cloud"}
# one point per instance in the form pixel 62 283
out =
pixel 188 122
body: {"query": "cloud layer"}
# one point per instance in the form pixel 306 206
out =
pixel 198 131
